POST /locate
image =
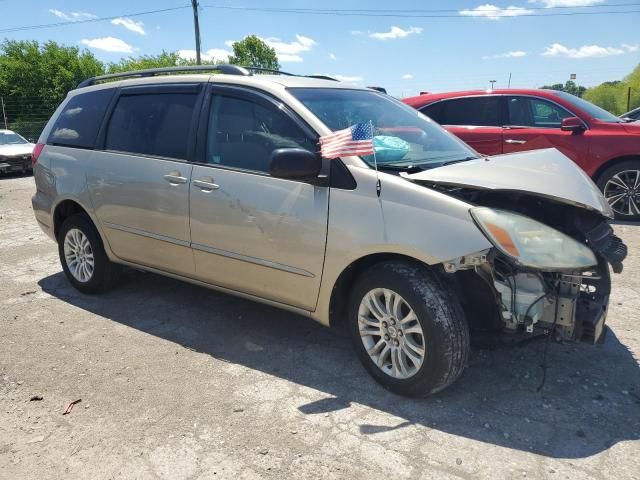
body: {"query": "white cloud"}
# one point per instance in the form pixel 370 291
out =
pixel 129 24
pixel 357 32
pixel 108 44
pixel 587 51
pixel 395 32
pixel 286 52
pixel 72 16
pixel 213 54
pixel 566 3
pixel 347 79
pixel 407 76
pixel 492 12
pixel 510 54
pixel 332 56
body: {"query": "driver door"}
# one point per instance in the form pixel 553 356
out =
pixel 251 232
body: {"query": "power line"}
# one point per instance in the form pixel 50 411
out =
pixel 418 10
pixel 90 20
pixel 415 13
pixel 500 13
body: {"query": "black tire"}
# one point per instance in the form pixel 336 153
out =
pixel 622 206
pixel 446 333
pixel 104 272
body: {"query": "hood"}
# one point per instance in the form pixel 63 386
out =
pixel 632 127
pixel 547 173
pixel 13 150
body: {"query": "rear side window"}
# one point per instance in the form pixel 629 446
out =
pixel 80 120
pixel 433 111
pixel 155 124
pixel 482 111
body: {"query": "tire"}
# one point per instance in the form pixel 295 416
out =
pixel 102 272
pixel 612 181
pixel 445 333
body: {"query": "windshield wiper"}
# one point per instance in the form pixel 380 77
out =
pixel 466 159
pixel 400 168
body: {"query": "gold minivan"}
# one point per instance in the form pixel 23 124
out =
pixel 215 178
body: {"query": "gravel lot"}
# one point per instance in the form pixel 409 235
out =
pixel 180 382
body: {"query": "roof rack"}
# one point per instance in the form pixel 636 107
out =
pixel 222 68
pixel 150 72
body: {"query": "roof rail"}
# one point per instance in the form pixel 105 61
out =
pixel 150 72
pixel 323 77
pixel 271 70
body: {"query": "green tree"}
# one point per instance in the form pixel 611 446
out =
pixel 253 52
pixel 613 96
pixel 164 59
pixel 35 78
pixel 570 87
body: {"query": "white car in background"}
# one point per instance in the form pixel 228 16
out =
pixel 15 152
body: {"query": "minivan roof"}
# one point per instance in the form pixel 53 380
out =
pixel 277 81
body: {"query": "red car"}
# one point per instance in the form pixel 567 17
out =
pixel 503 121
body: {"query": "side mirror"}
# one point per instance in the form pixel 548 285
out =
pixel 572 124
pixel 295 164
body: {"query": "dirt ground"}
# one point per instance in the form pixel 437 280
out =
pixel 179 382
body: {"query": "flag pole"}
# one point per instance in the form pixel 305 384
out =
pixel 375 161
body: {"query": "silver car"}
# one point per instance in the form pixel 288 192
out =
pixel 15 152
pixel 216 179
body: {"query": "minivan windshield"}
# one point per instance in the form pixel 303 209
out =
pixel 403 137
pixel 10 138
pixel 589 108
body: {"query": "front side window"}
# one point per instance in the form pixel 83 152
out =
pixel 10 138
pixel 80 120
pixel 243 133
pixel 534 112
pixel 402 135
pixel 154 124
pixel 480 111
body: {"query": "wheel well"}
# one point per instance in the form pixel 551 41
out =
pixel 612 162
pixel 340 294
pixel 64 210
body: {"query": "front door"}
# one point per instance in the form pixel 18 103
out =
pixel 251 232
pixel 139 181
pixel 535 123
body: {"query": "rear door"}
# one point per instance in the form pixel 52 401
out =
pixel 139 180
pixel 476 120
pixel 535 123
pixel 251 232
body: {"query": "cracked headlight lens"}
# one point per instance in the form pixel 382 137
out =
pixel 531 243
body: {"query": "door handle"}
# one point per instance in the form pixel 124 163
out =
pixel 206 184
pixel 514 141
pixel 175 178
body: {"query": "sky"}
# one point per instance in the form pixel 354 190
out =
pixel 399 46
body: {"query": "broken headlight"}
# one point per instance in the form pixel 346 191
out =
pixel 531 243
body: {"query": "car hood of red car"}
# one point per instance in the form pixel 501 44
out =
pixel 547 173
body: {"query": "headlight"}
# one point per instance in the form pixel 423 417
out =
pixel 531 243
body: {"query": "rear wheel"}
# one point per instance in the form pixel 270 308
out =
pixel 82 255
pixel 620 185
pixel 408 329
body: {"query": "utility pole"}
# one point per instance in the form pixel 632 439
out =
pixel 196 26
pixel 509 82
pixel 4 115
pixel 492 82
pixel 628 101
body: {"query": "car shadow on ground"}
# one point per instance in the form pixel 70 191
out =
pixel 590 401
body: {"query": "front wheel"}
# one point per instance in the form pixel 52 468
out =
pixel 620 185
pixel 408 329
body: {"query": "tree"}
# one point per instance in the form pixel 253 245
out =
pixel 164 59
pixel 569 87
pixel 35 78
pixel 253 52
pixel 612 96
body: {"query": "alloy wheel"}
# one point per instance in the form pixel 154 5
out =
pixel 391 333
pixel 622 192
pixel 78 255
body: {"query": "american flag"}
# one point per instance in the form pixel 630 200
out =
pixel 354 140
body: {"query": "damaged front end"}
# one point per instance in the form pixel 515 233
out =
pixel 540 278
